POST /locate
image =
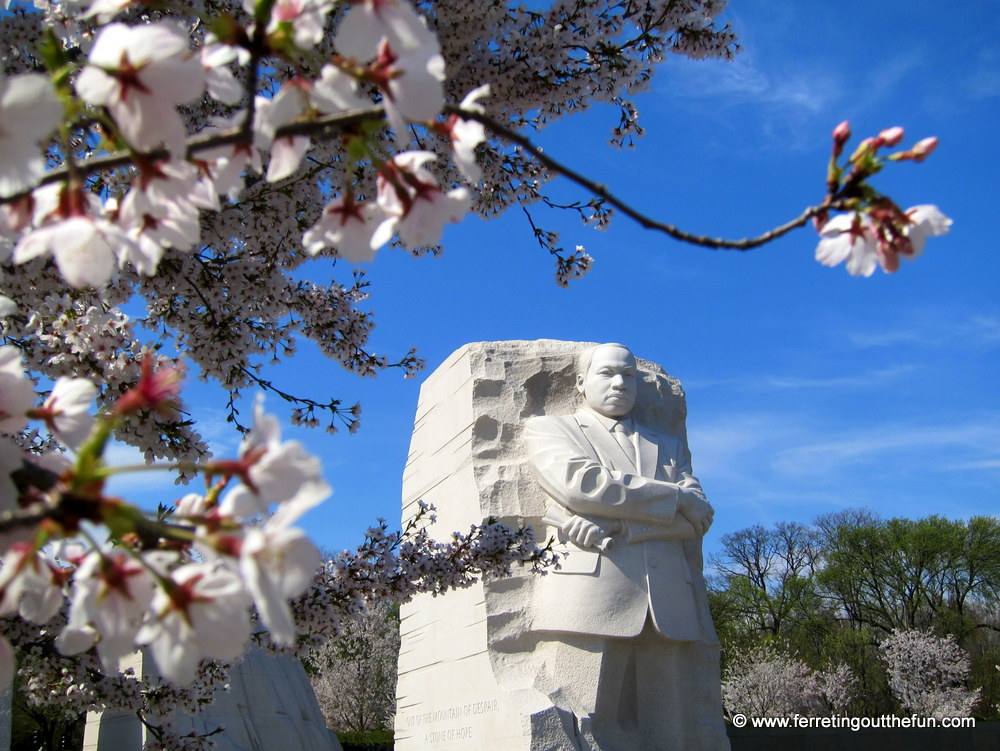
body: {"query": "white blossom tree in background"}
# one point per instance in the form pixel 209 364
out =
pixel 764 681
pixel 928 673
pixel 188 160
pixel 354 675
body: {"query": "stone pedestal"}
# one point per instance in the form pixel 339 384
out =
pixel 472 672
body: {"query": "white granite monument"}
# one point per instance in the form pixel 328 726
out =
pixel 270 706
pixel 614 652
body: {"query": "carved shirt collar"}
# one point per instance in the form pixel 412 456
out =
pixel 609 422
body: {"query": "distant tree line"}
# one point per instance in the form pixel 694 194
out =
pixel 840 592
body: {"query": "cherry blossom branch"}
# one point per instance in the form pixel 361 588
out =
pixel 602 191
pixel 321 126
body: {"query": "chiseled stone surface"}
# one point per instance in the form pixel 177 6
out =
pixel 270 707
pixel 475 671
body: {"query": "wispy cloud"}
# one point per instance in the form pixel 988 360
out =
pixel 934 327
pixel 766 467
pixel 869 379
pixel 931 446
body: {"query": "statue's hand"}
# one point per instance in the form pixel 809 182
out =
pixel 696 510
pixel 586 534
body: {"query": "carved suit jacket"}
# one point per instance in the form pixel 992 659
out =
pixel 655 565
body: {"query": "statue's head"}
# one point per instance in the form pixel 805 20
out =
pixel 606 376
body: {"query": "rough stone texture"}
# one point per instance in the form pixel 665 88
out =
pixel 269 707
pixel 468 665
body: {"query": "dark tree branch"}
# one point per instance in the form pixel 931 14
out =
pixel 646 222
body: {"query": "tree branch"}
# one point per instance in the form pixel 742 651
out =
pixel 320 126
pixel 602 191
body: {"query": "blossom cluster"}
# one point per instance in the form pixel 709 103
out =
pixel 874 231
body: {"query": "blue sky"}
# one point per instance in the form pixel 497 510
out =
pixel 809 391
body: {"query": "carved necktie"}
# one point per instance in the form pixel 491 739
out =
pixel 624 438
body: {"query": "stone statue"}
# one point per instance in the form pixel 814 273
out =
pixel 634 655
pixel 616 650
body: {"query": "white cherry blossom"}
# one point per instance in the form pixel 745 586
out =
pixel 86 248
pixel 272 471
pixel 849 237
pixel 306 17
pixel 66 410
pixel 112 592
pixel 31 584
pixel 17 392
pixel 141 74
pixel 414 203
pixel 925 221
pixel 29 112
pixel 201 613
pixel 412 84
pixel 220 82
pixel 288 105
pixel 278 562
pixel 354 230
pixel 369 21
pixel 336 91
pixel 466 135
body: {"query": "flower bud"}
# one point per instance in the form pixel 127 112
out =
pixel 865 148
pixel 891 136
pixel 924 148
pixel 841 135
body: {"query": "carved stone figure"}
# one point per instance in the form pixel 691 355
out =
pixel 637 657
pixel 614 652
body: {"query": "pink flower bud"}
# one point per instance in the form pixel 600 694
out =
pixel 891 136
pixel 841 135
pixel 924 148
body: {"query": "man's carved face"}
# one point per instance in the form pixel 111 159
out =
pixel 609 385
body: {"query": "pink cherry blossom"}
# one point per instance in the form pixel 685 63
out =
pixel 141 74
pixel 201 612
pixel 924 221
pixel 29 111
pixel 849 237
pixel 891 136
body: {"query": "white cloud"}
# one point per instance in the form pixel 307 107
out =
pixel 933 326
pixel 868 379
